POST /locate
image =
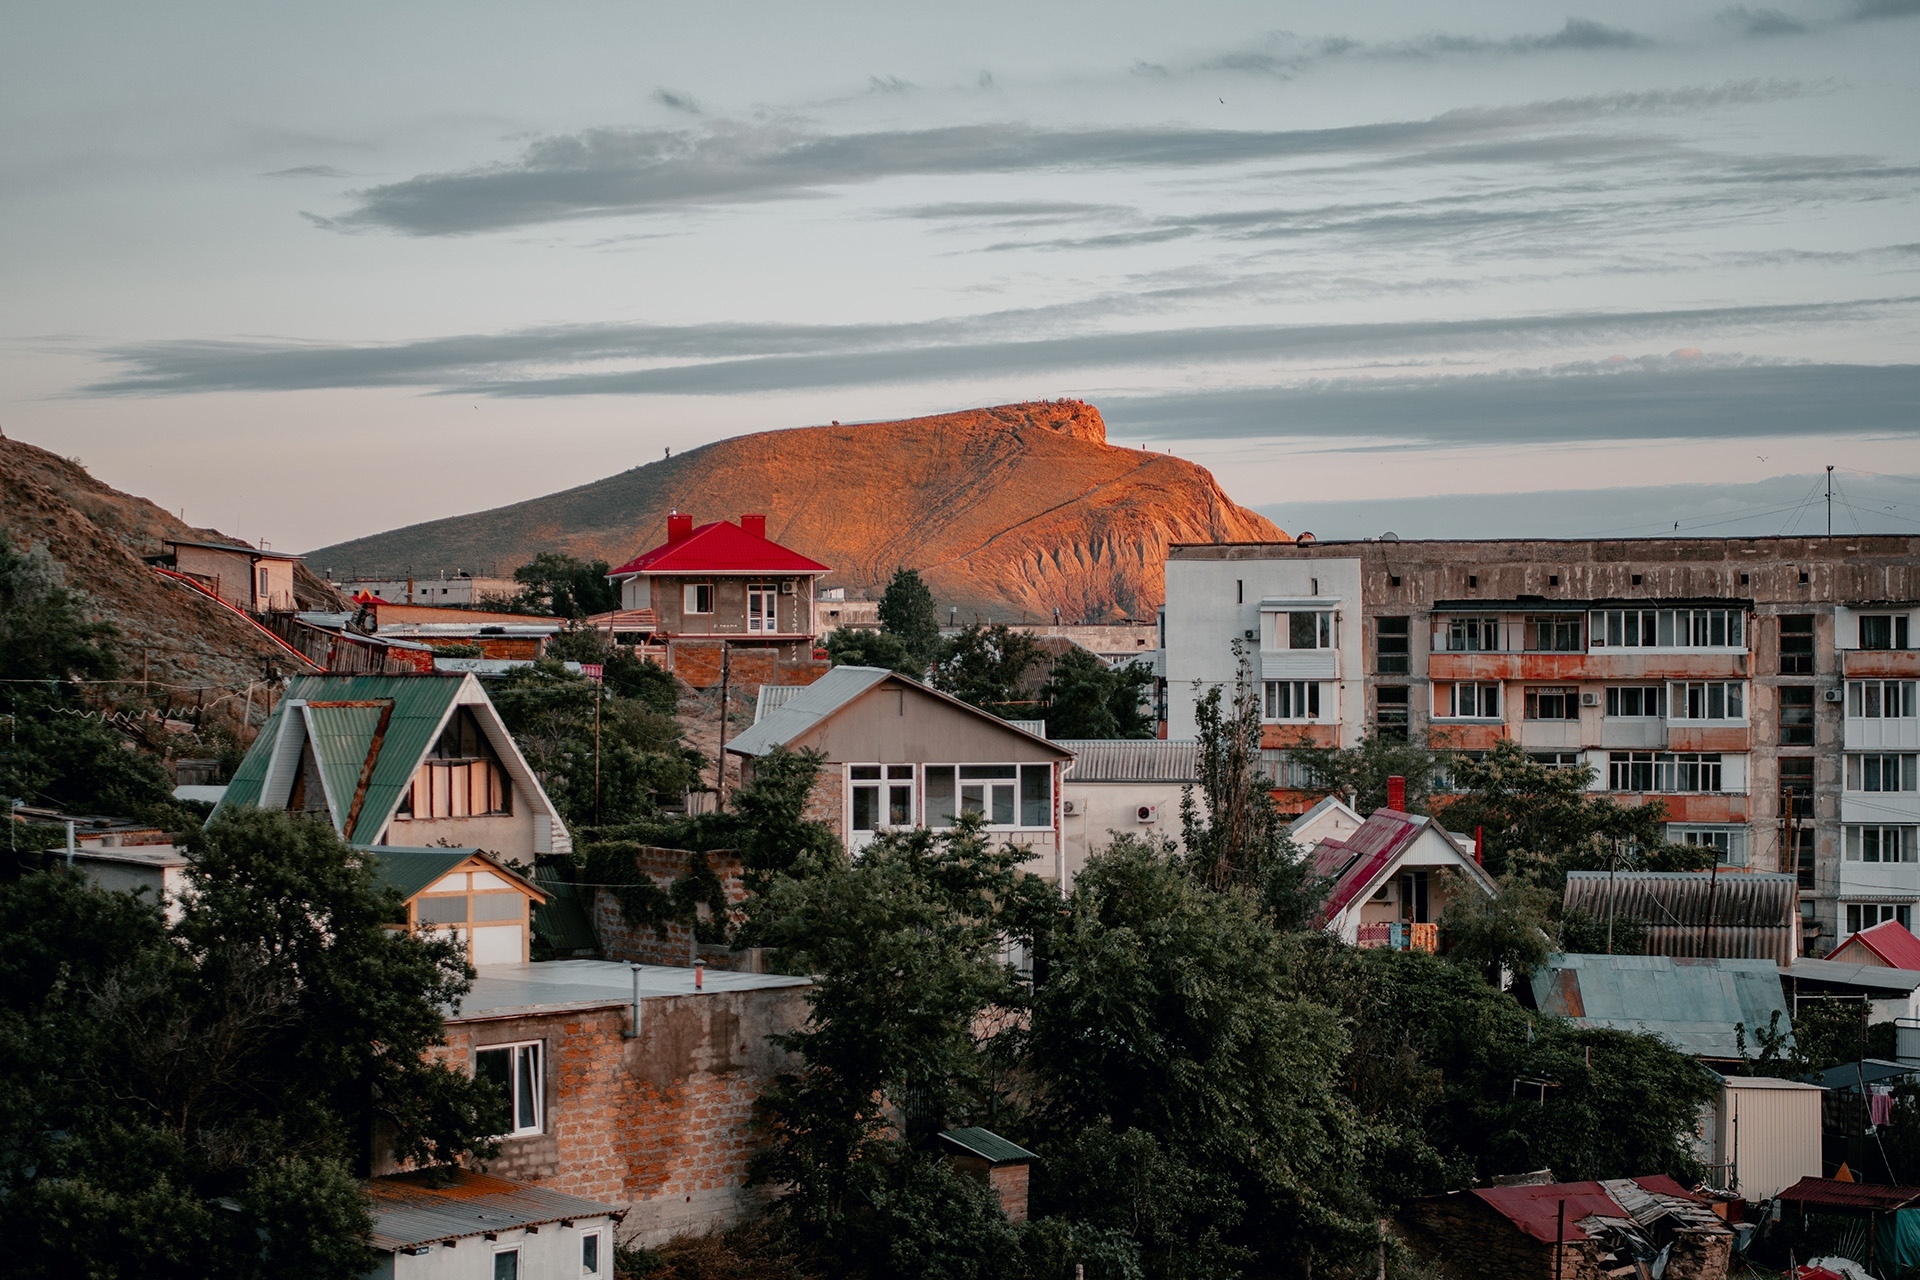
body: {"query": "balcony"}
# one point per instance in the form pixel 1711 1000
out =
pixel 1896 663
pixel 1877 734
pixel 1299 664
pixel 1705 735
pixel 1399 936
pixel 1898 807
pixel 1879 879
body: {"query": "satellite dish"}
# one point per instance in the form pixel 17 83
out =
pixel 1304 537
pixel 1389 536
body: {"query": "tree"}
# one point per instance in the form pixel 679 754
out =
pixel 906 612
pixel 1362 771
pixel 1085 698
pixel 623 675
pixel 1511 930
pixel 198 1099
pixel 865 647
pixel 983 666
pixel 566 587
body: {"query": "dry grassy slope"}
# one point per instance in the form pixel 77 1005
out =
pixel 98 535
pixel 1018 509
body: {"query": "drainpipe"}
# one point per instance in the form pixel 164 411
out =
pixel 69 844
pixel 633 1030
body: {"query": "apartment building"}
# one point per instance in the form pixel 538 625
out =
pixel 1763 689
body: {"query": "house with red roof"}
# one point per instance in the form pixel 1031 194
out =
pixel 1887 945
pixel 721 584
pixel 1393 879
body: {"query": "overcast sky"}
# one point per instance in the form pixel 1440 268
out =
pixel 308 273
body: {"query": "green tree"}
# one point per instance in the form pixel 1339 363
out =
pixel 566 587
pixel 154 1075
pixel 983 666
pixel 865 647
pixel 906 612
pixel 1362 771
pixel 1512 930
pixel 641 679
pixel 1085 698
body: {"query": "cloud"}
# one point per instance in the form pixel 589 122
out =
pixel 744 359
pixel 675 101
pixel 307 171
pixel 603 172
pixel 1288 55
pixel 889 84
pixel 1762 22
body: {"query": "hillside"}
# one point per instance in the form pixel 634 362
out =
pixel 1011 511
pixel 98 534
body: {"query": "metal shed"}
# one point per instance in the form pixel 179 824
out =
pixel 1763 1135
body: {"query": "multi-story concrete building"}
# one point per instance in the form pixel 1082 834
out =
pixel 1763 689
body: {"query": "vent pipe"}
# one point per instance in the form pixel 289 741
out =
pixel 633 1031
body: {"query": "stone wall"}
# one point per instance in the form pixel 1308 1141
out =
pixel 673 944
pixel 698 663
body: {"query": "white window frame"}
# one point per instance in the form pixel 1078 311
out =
pixel 1871 766
pixel 986 787
pixel 1730 842
pixel 600 1253
pixel 517 1128
pixel 1856 913
pixel 1292 701
pixel 1326 632
pixel 1899 631
pixel 518 1258
pixel 1669 769
pixel 763 608
pixel 1616 698
pixel 1682 695
pixel 1869 699
pixel 886 784
pixel 1480 711
pixel 690 599
pixel 1854 838
pixel 1668 629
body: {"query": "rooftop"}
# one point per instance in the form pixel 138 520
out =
pixel 238 548
pixel 721 547
pixel 988 1145
pixel 1889 940
pixel 547 986
pixel 1829 1194
pixel 415 1209
pixel 838 688
pixel 1693 1004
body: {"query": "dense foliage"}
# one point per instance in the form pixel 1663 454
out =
pixel 198 1098
pixel 566 587
pixel 865 647
pixel 906 613
pixel 985 666
pixel 1085 698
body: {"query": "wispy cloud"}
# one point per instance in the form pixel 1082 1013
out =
pixel 307 171
pixel 1285 54
pixel 604 172
pixel 674 100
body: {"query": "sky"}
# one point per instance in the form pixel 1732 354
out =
pixel 307 273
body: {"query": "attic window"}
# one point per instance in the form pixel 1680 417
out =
pixel 461 777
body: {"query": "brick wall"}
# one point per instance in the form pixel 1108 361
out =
pixel 621 940
pixel 698 663
pixel 661 1124
pixel 1467 1238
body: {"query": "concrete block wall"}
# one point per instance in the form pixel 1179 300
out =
pixel 622 940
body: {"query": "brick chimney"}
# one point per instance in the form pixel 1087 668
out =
pixel 1397 793
pixel 755 525
pixel 679 528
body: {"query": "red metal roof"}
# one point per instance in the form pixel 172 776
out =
pixel 1850 1195
pixel 1892 942
pixel 1380 839
pixel 1536 1209
pixel 720 547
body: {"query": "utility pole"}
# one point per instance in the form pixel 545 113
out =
pixel 1829 500
pixel 598 690
pixel 720 761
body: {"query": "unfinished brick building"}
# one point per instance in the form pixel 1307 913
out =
pixel 1764 689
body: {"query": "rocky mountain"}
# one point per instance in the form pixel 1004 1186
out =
pixel 1007 512
pixel 168 635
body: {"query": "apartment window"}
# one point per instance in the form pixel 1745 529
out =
pixel 1883 631
pixel 697 597
pixel 1881 771
pixel 1558 759
pixel 882 796
pixel 1473 701
pixel 1880 844
pixel 1796 817
pixel 1707 700
pixel 1881 699
pixel 1309 630
pixel 1865 915
pixel 1553 704
pixel 461 778
pixel 1728 843
pixel 763 607
pixel 1393 646
pixel 1663 771
pixel 1796 644
pixel 513 1072
pixel 1005 795
pixel 590 1253
pixel 1390 705
pixel 1293 700
pixel 1637 701
pixel 1669 628
pixel 1796 716
pixel 1473 635
pixel 1554 633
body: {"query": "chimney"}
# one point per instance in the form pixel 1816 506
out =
pixel 679 528
pixel 1397 793
pixel 755 525
pixel 1479 844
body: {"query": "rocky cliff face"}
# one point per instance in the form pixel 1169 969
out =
pixel 1011 511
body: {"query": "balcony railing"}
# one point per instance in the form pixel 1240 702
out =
pixel 1399 935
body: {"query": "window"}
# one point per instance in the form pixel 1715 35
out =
pixel 513 1071
pixel 266 591
pixel 1881 771
pixel 697 597
pixel 763 607
pixel 1669 628
pixel 1473 635
pixel 1553 704
pixel 461 778
pixel 506 1264
pixel 1796 716
pixel 1558 759
pixel 1036 795
pixel 1554 633
pixel 1728 843
pixel 1414 902
pixel 1006 795
pixel 1390 711
pixel 882 796
pixel 1392 646
pixel 1707 700
pixel 1881 699
pixel 1796 644
pixel 1293 700
pixel 1796 814
pixel 1877 630
pixel 1865 915
pixel 1309 630
pixel 590 1254
pixel 1637 701
pixel 1880 844
pixel 1474 701
pixel 1663 771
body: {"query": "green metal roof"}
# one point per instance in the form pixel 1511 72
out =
pixel 342 738
pixel 562 919
pixel 412 870
pixel 420 704
pixel 1692 1004
pixel 988 1145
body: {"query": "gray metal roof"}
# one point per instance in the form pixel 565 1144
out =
pixel 545 986
pixel 772 697
pixel 1692 1004
pixel 410 1210
pixel 1842 973
pixel 1132 759
pixel 1038 728
pixel 988 1145
pixel 807 708
pixel 1734 914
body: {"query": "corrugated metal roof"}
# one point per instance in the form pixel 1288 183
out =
pixel 1535 1209
pixel 1830 1194
pixel 1742 915
pixel 1038 728
pixel 1841 973
pixel 1850 1075
pixel 342 738
pixel 988 1145
pixel 562 919
pixel 772 697
pixel 1692 1004
pixel 1889 940
pixel 1132 759
pixel 827 695
pixel 409 1210
pixel 411 870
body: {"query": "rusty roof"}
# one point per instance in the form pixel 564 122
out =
pixel 410 1210
pixel 1829 1194
pixel 1890 942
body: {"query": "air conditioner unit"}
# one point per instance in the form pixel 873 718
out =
pixel 1147 813
pixel 1074 808
pixel 1250 635
pixel 1835 695
pixel 1384 893
pixel 786 588
pixel 1589 699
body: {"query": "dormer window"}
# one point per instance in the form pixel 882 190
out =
pixel 461 778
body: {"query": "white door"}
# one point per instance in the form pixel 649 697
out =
pixel 763 608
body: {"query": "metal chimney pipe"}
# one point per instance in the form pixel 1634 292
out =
pixel 699 975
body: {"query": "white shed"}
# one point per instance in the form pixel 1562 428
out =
pixel 1763 1135
pixel 455 1224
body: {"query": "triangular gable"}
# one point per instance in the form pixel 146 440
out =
pixel 414 871
pixel 1888 943
pixel 1387 842
pixel 821 701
